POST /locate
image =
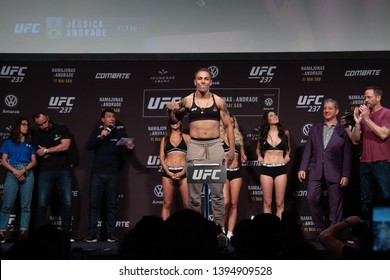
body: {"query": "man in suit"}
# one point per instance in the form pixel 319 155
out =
pixel 328 157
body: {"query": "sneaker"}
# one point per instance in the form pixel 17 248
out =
pixel 2 239
pixel 72 239
pixel 112 238
pixel 91 238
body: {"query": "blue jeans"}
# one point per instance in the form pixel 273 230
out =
pixel 109 185
pixel 11 188
pixel 47 181
pixel 374 176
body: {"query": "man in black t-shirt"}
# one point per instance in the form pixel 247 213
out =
pixel 52 142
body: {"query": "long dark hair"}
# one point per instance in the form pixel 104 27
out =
pixel 15 133
pixel 169 130
pixel 263 134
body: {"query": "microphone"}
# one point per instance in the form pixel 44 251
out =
pixel 108 128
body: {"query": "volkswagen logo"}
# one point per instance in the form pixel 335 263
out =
pixel 158 191
pixel 214 71
pixel 11 100
pixel 306 129
pixel 268 102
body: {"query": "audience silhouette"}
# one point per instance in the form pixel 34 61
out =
pixel 144 240
pixel 44 243
pixel 188 235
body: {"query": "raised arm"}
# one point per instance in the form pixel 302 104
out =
pixel 177 109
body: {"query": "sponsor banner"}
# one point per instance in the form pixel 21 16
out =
pixel 206 173
pixel 74 93
pixel 13 73
pixel 155 100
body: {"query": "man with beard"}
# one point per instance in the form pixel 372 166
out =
pixel 372 130
pixel 52 142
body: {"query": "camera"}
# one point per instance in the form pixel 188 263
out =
pixel 348 118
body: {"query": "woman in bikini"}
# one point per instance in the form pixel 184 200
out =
pixel 173 150
pixel 273 154
pixel 232 187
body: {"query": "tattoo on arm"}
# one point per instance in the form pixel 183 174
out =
pixel 225 111
pixel 182 103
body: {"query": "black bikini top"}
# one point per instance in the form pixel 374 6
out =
pixel 280 147
pixel 210 113
pixel 182 147
pixel 226 147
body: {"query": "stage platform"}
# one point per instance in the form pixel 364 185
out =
pixel 103 250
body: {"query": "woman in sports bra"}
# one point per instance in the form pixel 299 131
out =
pixel 273 154
pixel 231 188
pixel 173 151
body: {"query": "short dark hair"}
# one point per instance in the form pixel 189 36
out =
pixel 377 90
pixel 204 69
pixel 102 115
pixel 38 114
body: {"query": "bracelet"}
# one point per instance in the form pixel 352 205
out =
pixel 25 169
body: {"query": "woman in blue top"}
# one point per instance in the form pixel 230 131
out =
pixel 18 157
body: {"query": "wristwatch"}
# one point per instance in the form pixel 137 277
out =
pixel 45 151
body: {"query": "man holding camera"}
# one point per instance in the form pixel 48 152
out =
pixel 107 160
pixel 328 156
pixel 372 130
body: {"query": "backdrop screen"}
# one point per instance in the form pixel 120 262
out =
pixel 196 26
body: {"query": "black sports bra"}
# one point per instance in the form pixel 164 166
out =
pixel 226 147
pixel 196 113
pixel 182 147
pixel 280 147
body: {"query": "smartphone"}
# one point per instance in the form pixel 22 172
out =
pixel 380 227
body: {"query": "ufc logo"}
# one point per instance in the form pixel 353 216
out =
pixel 27 27
pixel 61 101
pixel 310 100
pixel 153 160
pixel 204 174
pixel 13 71
pixel 160 102
pixel 258 71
